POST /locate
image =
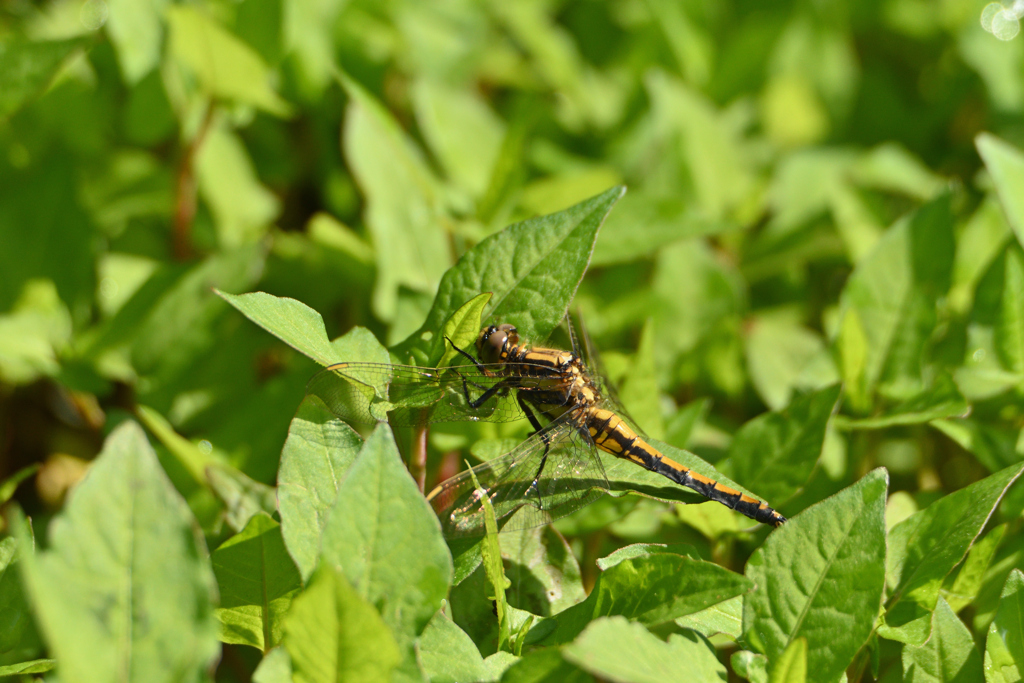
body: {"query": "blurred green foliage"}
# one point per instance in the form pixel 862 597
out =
pixel 819 195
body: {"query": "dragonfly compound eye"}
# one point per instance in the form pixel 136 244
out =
pixel 494 341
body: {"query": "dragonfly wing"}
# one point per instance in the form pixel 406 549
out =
pixel 571 478
pixel 365 393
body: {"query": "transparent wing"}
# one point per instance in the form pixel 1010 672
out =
pixel 595 367
pixel 572 478
pixel 365 393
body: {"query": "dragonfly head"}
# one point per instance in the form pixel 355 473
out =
pixel 494 342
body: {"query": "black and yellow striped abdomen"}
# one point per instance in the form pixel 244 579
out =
pixel 612 435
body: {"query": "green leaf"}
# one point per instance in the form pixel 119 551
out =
pixel 9 485
pixel 462 328
pixel 26 68
pixel 125 591
pixel 179 326
pixel 33 333
pixel 616 649
pixel 1009 327
pixel 820 576
pixel 710 146
pixel 257 581
pixel 651 590
pixel 226 67
pixel 242 496
pixel 498 583
pixel 193 460
pixel 291 321
pixel 984 238
pixel 791 667
pixel 545 576
pixel 136 32
pixel 316 456
pixel 750 666
pixel 780 354
pixel 387 540
pixel 1006 164
pixel 36 666
pixel 333 634
pixel 926 547
pixel 275 667
pixel 680 427
pixel 779 450
pixel 643 222
pixel 532 268
pixel 16 628
pixel 543 666
pixel 891 167
pixel 972 572
pixel 639 392
pixel 463 133
pixel 1004 646
pixel 948 656
pixel 242 208
pixel 892 293
pixel 448 655
pixel 995 447
pixel 403 211
pixel 942 400
pixel 725 617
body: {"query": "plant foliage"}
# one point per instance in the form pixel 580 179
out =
pixel 813 292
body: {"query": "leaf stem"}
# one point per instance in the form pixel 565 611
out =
pixel 185 190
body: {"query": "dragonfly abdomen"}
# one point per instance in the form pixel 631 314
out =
pixel 612 435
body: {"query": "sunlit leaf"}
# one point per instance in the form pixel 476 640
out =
pixel 616 649
pixel 333 634
pixel 257 581
pixel 948 656
pixel 820 577
pixel 125 589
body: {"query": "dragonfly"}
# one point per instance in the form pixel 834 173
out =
pixel 553 472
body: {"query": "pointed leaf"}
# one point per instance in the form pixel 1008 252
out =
pixel 125 591
pixel 1009 329
pixel 1004 647
pixel 291 321
pixel 448 654
pixel 792 665
pixel 924 548
pixel 725 617
pixel 651 590
pixel 16 628
pixel 333 635
pixel 26 68
pixel 387 540
pixel 36 666
pixel 892 292
pixel 533 269
pixel 403 211
pixel 779 450
pixel 949 656
pixel 820 576
pixel 257 581
pixel 316 456
pixel 616 649
pixel 1006 164
pixel 224 65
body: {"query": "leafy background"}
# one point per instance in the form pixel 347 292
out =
pixel 820 196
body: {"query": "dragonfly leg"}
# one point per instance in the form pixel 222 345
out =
pixel 467 355
pixel 532 417
pixel 498 389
